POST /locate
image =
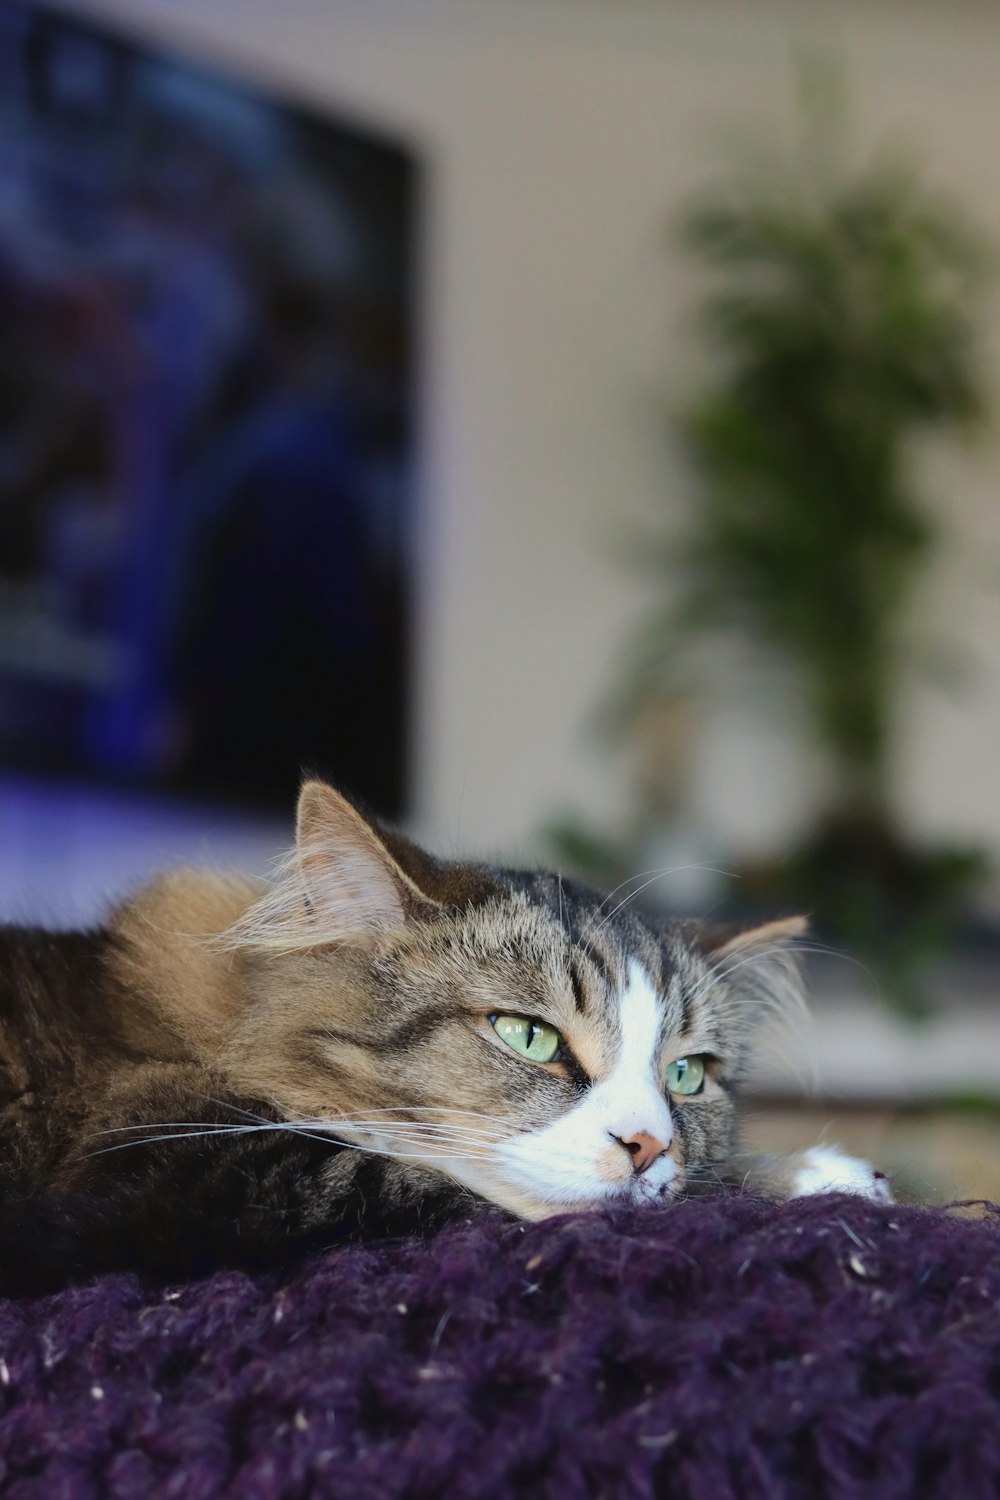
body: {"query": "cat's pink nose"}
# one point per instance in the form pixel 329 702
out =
pixel 643 1149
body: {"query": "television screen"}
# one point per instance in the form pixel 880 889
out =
pixel 206 299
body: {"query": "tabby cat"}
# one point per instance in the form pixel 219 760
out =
pixel 371 1044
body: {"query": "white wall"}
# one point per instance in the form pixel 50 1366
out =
pixel 559 134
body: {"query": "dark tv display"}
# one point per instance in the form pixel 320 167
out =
pixel 206 305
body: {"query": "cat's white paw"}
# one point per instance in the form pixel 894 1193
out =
pixel 825 1170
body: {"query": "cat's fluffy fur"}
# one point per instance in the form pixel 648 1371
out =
pixel 231 1068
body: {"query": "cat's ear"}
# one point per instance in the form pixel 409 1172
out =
pixel 725 940
pixel 341 883
pixel 351 882
pixel 762 962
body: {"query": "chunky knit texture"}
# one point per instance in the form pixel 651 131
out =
pixel 722 1348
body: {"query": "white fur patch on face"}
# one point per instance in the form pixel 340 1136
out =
pixel 825 1170
pixel 579 1158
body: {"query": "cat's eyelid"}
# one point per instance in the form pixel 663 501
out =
pixel 537 1017
pixel 692 1049
pixel 711 1061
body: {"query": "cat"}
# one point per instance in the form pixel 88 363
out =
pixel 374 1043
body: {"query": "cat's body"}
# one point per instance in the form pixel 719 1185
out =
pixel 375 1044
pixel 116 1146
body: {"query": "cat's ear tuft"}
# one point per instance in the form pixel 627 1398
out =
pixel 351 881
pixel 724 941
pixel 761 963
pixel 341 884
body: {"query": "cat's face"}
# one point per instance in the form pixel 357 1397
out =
pixel 511 1031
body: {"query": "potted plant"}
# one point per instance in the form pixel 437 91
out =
pixel 841 321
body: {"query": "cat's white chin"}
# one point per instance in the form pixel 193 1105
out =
pixel 660 1185
pixel 654 1192
pixel 632 1195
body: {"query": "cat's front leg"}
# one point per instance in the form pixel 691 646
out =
pixel 821 1169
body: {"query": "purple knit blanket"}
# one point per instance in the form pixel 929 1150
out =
pixel 824 1348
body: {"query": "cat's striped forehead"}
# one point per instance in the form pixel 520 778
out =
pixel 575 960
pixel 713 984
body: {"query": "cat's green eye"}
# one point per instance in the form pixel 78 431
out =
pixel 686 1075
pixel 531 1039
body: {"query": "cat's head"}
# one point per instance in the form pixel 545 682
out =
pixel 539 1043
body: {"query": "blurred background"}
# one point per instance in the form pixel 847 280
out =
pixel 571 425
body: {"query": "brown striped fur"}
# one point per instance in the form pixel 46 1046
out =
pixel 149 1072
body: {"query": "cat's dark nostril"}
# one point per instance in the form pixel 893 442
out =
pixel 642 1148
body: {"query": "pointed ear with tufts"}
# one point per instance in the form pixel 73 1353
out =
pixel 341 884
pixel 724 941
pixel 351 881
pixel 761 962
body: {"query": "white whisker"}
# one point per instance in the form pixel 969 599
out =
pixel 654 876
pixel 175 1135
pixel 437 1109
pixel 326 1131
